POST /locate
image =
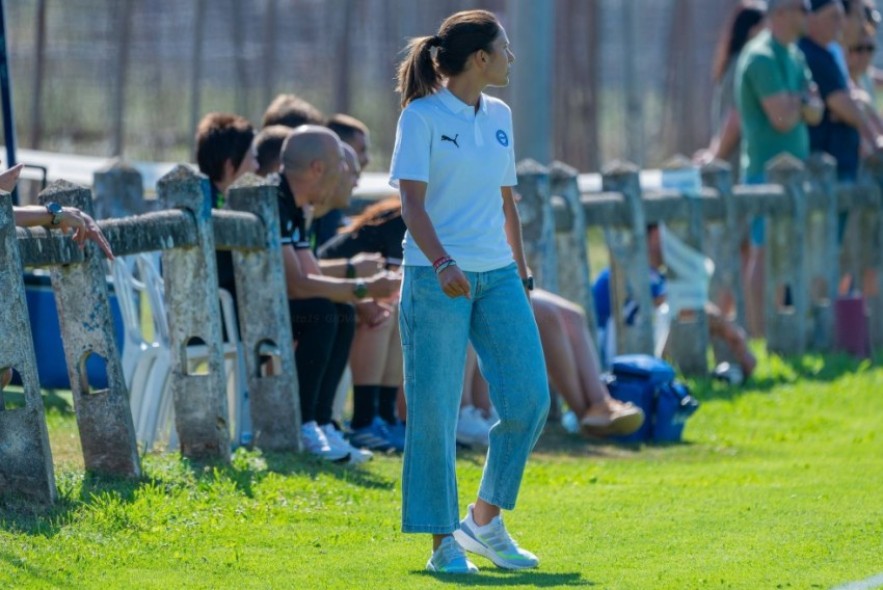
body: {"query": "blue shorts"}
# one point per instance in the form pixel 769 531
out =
pixel 757 233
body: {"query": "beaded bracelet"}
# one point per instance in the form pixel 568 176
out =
pixel 444 265
pixel 440 260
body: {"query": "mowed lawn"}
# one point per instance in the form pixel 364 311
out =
pixel 778 485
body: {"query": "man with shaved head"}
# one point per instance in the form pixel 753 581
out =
pixel 323 319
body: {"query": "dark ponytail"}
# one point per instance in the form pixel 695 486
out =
pixel 417 74
pixel 461 35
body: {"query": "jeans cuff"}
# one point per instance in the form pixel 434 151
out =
pixel 428 528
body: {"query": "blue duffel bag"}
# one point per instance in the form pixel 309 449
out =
pixel 649 383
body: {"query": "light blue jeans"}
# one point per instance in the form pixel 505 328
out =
pixel 435 330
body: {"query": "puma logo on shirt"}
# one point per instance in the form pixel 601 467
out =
pixel 453 141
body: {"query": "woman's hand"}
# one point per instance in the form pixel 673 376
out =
pixel 9 178
pixel 454 283
pixel 82 227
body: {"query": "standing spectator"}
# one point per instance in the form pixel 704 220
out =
pixel 775 102
pixel 843 125
pixel 746 21
pixel 858 60
pixel 465 280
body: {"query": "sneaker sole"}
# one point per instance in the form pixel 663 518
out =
pixel 473 546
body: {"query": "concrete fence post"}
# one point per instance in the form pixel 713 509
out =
pixel 629 263
pixel 723 240
pixel 537 223
pixel 25 456
pixel 119 192
pixel 822 253
pixel 688 339
pixel 104 417
pixel 869 234
pixel 265 325
pixel 786 269
pixel 191 289
pixel 574 274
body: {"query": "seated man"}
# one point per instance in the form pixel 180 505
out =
pixel 733 336
pixel 322 317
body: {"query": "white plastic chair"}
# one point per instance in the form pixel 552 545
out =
pixel 157 421
pixel 138 355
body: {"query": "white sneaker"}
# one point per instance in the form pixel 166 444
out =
pixel 316 443
pixel 472 428
pixel 337 442
pixel 493 541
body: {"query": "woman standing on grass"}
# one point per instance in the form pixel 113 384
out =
pixel 465 279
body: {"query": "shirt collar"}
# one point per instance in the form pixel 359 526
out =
pixel 457 106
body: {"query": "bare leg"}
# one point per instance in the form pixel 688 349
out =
pixel 392 371
pixel 754 279
pixel 733 336
pixel 560 362
pixel 369 352
pixel 483 513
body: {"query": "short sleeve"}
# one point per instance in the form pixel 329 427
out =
pixel 826 73
pixel 413 146
pixel 764 77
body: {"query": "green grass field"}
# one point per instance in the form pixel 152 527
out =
pixel 778 485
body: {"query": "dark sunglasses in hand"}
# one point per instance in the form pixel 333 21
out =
pixel 863 48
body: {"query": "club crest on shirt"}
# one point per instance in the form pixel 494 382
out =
pixel 295 236
pixel 502 138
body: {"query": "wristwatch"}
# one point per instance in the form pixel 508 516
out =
pixel 360 290
pixel 55 210
pixel 528 282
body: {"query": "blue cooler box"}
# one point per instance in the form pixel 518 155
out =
pixel 43 315
pixel 649 383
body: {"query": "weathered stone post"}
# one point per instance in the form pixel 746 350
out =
pixel 103 417
pixel 869 233
pixel 191 288
pixel 629 264
pixel 574 274
pixel 537 223
pixel 264 322
pixel 119 192
pixel 25 456
pixel 822 253
pixel 786 271
pixel 688 339
pixel 722 239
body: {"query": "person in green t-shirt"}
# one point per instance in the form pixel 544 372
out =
pixel 776 100
pixel 774 91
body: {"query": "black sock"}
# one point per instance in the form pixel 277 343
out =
pixel 386 406
pixel 364 405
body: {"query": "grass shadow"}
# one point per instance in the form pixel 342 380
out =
pixel 499 577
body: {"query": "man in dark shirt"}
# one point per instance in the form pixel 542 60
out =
pixel 323 322
pixel 842 124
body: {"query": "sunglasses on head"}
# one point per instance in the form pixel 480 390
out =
pixel 863 48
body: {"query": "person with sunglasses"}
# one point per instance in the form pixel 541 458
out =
pixel 859 57
pixel 843 123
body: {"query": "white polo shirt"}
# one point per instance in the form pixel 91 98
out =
pixel 464 157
